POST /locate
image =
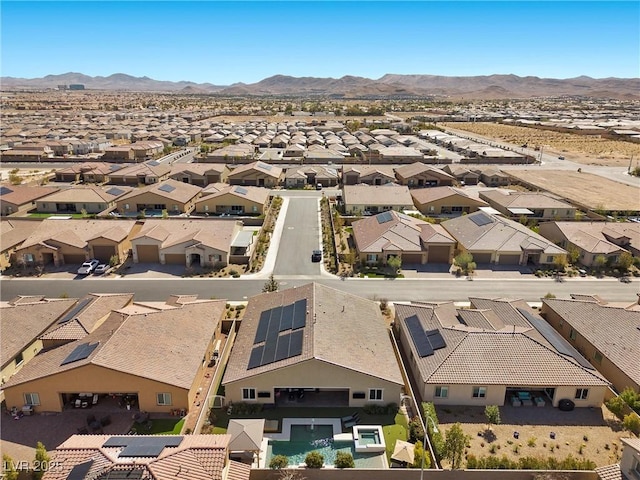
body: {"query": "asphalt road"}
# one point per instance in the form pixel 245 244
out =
pixel 300 236
pixel 432 289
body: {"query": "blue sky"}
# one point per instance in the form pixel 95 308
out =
pixel 242 41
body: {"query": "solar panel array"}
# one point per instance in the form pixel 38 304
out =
pixel 148 446
pixel 79 471
pixel 555 339
pixel 71 314
pixel 153 163
pixel 264 166
pixel 115 191
pixel 136 472
pixel 80 353
pixel 279 334
pixel 481 219
pixel 384 217
pixel 241 190
pixel 167 188
pixel 5 191
pixel 425 342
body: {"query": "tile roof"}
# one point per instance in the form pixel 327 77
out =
pixel 335 321
pixel 23 194
pixel 127 344
pixel 610 472
pixel 21 324
pixel 389 194
pixel 524 199
pixel 238 471
pixel 15 231
pixel 257 167
pixel 78 194
pixel 614 331
pixel 197 168
pixel 182 192
pixel 217 234
pixel 433 194
pixel 491 347
pixel 145 169
pixel 418 168
pixel 258 195
pixel 197 457
pixel 598 237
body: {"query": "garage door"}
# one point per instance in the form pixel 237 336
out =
pixel 71 259
pixel 175 258
pixel 411 258
pixel 148 253
pixel 482 258
pixel 509 259
pixel 104 252
pixel 439 254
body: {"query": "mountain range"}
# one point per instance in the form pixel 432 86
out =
pixel 388 86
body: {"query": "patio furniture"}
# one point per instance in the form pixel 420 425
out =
pixel 349 422
pixel 515 402
pixel 540 402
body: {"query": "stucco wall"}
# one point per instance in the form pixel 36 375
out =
pixel 228 200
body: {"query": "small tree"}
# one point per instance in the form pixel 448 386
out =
pixel 631 398
pixel 165 213
pixel 271 285
pixel 113 260
pixel 42 458
pixel 600 262
pixel 574 254
pixel 9 468
pixel 454 445
pixel 344 460
pixel 420 455
pixel 314 459
pixel 492 412
pixel 632 423
pixel 278 462
pixel 394 262
pixel 465 261
pixel 625 261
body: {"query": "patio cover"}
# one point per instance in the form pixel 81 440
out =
pixel 244 238
pixel 403 452
pixel 246 434
pixel 520 211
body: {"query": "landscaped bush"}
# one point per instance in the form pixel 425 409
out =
pixel 375 409
pixel 528 463
pixel 437 441
pixel 416 432
pixel 616 406
pixel 279 461
pixel 632 423
pixel 314 459
pixel 344 460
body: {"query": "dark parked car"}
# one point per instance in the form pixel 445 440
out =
pixel 316 256
pixel 566 405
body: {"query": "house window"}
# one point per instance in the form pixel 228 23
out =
pixel 19 359
pixel 375 394
pixel 442 392
pixel 255 209
pixel 174 206
pixel 597 357
pixel 479 392
pixel 372 257
pixel 31 399
pixel 549 258
pixel 248 393
pixel 163 399
pixel 126 206
pixel 359 395
pixel 206 208
pixel 432 208
pixel 264 394
pixel 581 393
pixel 456 209
pixel 572 334
pixel 28 258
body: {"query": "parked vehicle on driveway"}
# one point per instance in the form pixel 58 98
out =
pixel 101 269
pixel 88 267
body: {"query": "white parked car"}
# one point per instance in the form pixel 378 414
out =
pixel 101 269
pixel 88 267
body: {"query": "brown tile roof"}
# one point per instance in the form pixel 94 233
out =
pixel 126 343
pixel 614 331
pixel 258 195
pixel 77 194
pixel 389 194
pixel 212 233
pixel 23 194
pixel 418 168
pixel 335 321
pixel 597 237
pixel 15 231
pixel 143 169
pixel 182 192
pixel 197 168
pixel 524 199
pixel 610 472
pixel 22 324
pixel 258 167
pixel 77 232
pixel 197 457
pixel 238 471
pixel 428 195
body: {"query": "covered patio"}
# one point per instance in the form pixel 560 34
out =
pixel 310 397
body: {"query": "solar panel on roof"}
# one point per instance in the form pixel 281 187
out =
pixel 78 472
pixel 141 451
pixel 133 473
pixel 255 359
pixel 5 191
pixel 71 314
pixel 264 166
pixel 241 190
pixel 286 321
pixel 561 345
pixel 263 327
pixel 274 326
pixel 300 314
pixel 384 217
pixel 418 336
pixel 80 353
pixel 115 191
pixel 481 219
pixel 167 188
pixel 154 163
pixel 435 339
pixel 282 350
pixel 295 343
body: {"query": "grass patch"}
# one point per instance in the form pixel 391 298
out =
pixel 161 426
pixel 47 215
pixel 397 431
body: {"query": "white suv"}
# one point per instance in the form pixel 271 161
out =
pixel 88 267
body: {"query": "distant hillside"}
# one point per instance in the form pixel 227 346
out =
pixel 388 86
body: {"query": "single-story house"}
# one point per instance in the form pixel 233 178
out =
pixel 196 457
pixel 173 196
pixel 399 154
pixel 353 175
pixel 594 239
pixel 145 173
pixel 393 234
pixel 462 174
pixel 220 199
pixel 231 154
pixel 79 199
pixel 311 175
pixel 363 199
pixel 119 154
pixel 21 198
pixel 198 242
pixel 418 175
pixel 159 369
pixel 497 240
pixel 299 347
pixel 498 352
pixel 493 177
pixel 200 174
pixel 534 205
pixel 607 334
pixel 257 174
pixel 88 172
pixel 445 201
pixel 147 149
pixel 74 241
pixel 13 232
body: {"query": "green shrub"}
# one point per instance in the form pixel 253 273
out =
pixel 344 460
pixel 416 432
pixel 616 406
pixel 632 423
pixel 314 459
pixel 278 461
pixel 437 440
pixel 528 463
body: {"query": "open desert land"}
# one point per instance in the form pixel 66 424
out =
pixel 586 149
pixel 586 189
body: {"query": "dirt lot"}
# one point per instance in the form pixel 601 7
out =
pixel 534 425
pixel 586 149
pixel 584 188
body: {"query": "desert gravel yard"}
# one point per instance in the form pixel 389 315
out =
pixel 584 433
